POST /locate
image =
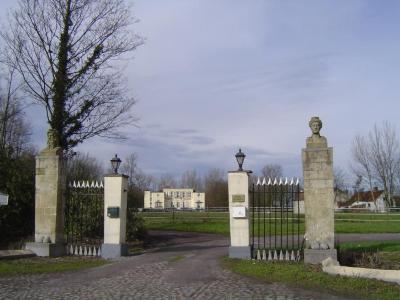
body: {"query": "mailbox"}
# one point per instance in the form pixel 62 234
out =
pixel 113 212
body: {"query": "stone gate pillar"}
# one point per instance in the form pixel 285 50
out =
pixel 115 211
pixel 318 196
pixel 238 186
pixel 49 202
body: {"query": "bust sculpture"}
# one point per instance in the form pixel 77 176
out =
pixel 316 140
pixel 52 139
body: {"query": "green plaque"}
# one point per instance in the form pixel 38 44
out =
pixel 238 198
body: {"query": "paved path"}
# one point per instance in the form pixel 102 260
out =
pixel 184 266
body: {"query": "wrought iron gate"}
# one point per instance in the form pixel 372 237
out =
pixel 275 220
pixel 84 218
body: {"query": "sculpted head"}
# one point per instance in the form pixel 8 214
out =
pixel 52 139
pixel 315 125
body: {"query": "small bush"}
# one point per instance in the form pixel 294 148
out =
pixel 135 229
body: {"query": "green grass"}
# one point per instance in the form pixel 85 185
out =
pixel 218 222
pixel 311 277
pixel 387 246
pixel 46 265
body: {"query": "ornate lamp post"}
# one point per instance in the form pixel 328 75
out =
pixel 240 159
pixel 115 163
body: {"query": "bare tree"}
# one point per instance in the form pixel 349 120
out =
pixel 216 188
pixel 166 180
pixel 377 158
pixel 385 154
pixel 339 183
pixel 191 180
pixel 83 167
pixel 66 52
pixel 14 131
pixel 362 166
pixel 272 171
pixel 129 167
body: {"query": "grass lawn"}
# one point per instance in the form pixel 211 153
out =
pixel 218 222
pixel 312 277
pixel 47 265
pixel 365 246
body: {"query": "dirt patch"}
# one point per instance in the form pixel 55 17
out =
pixel 374 260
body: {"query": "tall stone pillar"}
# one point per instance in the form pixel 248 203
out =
pixel 49 203
pixel 238 185
pixel 318 196
pixel 115 210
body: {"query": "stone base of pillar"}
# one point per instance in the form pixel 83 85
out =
pixel 46 249
pixel 314 257
pixel 114 250
pixel 243 252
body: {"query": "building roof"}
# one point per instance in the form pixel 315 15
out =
pixel 364 196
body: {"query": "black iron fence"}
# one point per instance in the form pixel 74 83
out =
pixel 275 220
pixel 84 218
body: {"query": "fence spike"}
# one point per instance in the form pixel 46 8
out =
pixel 92 185
pixel 80 250
pixel 264 256
pixel 78 185
pixel 275 181
pixel 74 184
pixel 287 256
pixel 297 181
pixel 275 255
pixel 258 181
pixel 292 257
pixel 90 253
pixel 298 255
pixel 269 181
pixel 258 254
pixel 286 181
pixel 281 255
pixel 280 181
pixel 291 181
pixel 264 181
pixel 87 184
pixel 101 184
pixel 71 250
pixel 269 255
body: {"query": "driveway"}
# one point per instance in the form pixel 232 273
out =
pixel 179 266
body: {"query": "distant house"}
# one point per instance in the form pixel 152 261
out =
pixel 368 200
pixel 298 206
pixel 174 198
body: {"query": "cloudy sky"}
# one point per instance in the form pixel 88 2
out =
pixel 214 76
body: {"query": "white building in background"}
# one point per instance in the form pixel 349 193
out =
pixel 177 198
